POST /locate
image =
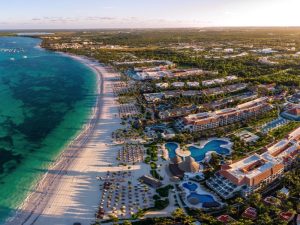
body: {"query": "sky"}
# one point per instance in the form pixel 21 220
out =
pixel 72 14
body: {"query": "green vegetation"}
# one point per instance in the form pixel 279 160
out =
pixel 161 204
pixel 164 191
pixel 152 152
pixel 163 44
pixel 178 217
pixel 291 180
pixel 281 132
pixel 156 175
pixel 153 165
pixel 241 149
pixel 190 48
pixel 151 159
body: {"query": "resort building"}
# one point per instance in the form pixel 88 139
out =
pixel 171 94
pixel 283 192
pixel 270 200
pixel 150 181
pixel 265 60
pixel 209 120
pixel 295 98
pixel 247 136
pixel 292 114
pixel 256 171
pixel 178 84
pixel 188 72
pixel 155 73
pixel 178 112
pixel 207 83
pixel 225 89
pixel 222 103
pixel 269 87
pixel 191 93
pixel 250 213
pixel 153 97
pixel 192 84
pixel 287 216
pixel 162 85
pixel 225 219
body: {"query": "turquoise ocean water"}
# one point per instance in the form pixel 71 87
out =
pixel 45 98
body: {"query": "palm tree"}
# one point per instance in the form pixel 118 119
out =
pixel 178 213
pixel 239 202
pixel 126 222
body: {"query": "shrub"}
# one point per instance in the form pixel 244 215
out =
pixel 147 160
pixel 164 191
pixel 156 175
pixel 153 165
pixel 156 197
pixel 161 204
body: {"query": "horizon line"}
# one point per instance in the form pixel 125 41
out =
pixel 145 28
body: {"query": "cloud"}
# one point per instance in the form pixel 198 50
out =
pixel 100 18
pixel 88 22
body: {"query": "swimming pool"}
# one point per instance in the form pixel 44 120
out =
pixel 274 124
pixel 199 153
pixel 171 147
pixel 190 186
pixel 196 195
pixel 200 198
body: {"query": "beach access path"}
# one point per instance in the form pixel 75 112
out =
pixel 69 192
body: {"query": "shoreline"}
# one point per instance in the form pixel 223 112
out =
pixel 33 200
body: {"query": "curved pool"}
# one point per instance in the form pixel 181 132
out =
pixel 199 153
pixel 190 186
pixel 171 147
pixel 200 198
pixel 214 145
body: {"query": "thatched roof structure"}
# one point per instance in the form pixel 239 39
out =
pixel 189 165
pixel 176 160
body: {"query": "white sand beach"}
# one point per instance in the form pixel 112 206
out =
pixel 69 192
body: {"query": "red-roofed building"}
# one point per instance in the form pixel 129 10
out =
pixel 270 200
pixel 286 216
pixel 225 219
pixel 292 114
pixel 250 213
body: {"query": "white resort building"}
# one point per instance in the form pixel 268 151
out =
pixel 209 120
pixel 256 171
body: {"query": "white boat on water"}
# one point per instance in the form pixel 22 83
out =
pixel 12 59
